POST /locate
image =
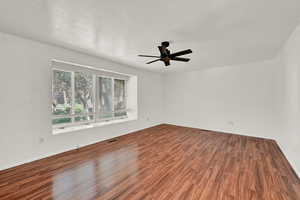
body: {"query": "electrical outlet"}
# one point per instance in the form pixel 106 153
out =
pixel 41 140
pixel 231 123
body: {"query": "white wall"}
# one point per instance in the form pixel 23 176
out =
pixel 244 99
pixel 25 101
pixel 290 140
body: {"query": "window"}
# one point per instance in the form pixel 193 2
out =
pixel 84 96
pixel 119 98
pixel 62 95
pixel 105 97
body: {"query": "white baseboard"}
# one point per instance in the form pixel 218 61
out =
pixel 15 164
pixel 34 159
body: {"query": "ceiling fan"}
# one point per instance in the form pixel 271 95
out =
pixel 166 56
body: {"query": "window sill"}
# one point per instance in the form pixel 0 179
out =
pixel 57 131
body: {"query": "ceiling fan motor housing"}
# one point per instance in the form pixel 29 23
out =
pixel 165 44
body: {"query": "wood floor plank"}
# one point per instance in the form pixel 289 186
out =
pixel 164 162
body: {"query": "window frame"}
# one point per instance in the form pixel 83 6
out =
pixel 96 111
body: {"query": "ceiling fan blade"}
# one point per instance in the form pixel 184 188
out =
pixel 153 61
pixel 180 59
pixel 180 53
pixel 148 56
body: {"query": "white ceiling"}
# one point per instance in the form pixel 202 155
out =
pixel 220 32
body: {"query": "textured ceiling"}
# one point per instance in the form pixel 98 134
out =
pixel 220 32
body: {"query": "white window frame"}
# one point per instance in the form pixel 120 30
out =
pixel 96 73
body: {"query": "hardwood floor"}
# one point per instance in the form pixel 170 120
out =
pixel 160 163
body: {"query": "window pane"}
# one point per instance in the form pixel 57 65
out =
pixel 61 92
pixel 84 102
pixel 105 97
pixel 120 98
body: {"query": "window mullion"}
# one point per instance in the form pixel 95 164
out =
pixel 73 96
pixel 113 98
pixel 96 99
pixel 126 93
